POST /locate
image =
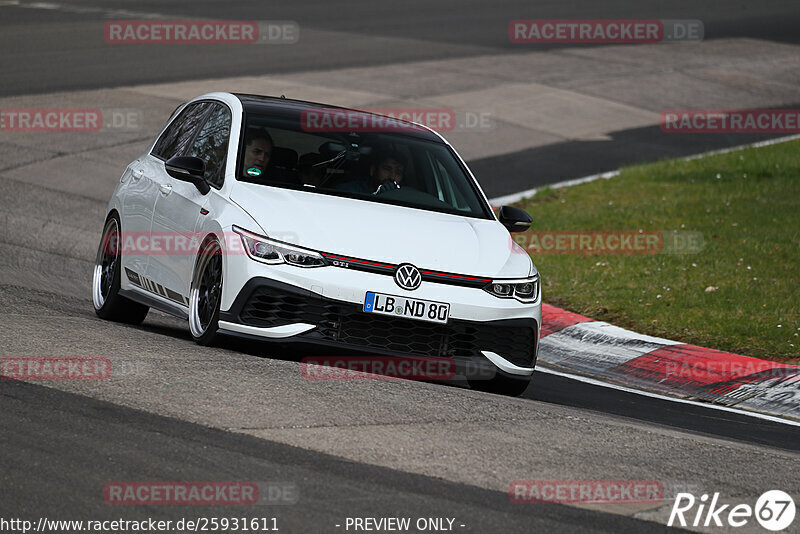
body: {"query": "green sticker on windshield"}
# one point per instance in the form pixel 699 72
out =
pixel 253 171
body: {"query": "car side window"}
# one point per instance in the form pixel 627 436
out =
pixel 211 144
pixel 178 135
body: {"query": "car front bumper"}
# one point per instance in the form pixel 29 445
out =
pixel 270 309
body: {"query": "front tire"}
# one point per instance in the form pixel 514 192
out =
pixel 205 294
pixel 108 303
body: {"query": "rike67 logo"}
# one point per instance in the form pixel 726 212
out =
pixel 774 510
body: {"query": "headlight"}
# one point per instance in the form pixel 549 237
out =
pixel 267 250
pixel 524 290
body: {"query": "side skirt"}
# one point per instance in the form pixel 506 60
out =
pixel 147 300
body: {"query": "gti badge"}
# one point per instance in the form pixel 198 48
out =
pixel 408 277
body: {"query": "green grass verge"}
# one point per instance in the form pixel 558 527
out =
pixel 746 204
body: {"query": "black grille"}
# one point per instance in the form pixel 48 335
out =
pixel 347 324
pixel 268 307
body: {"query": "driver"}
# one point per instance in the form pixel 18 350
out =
pixel 386 174
pixel 258 149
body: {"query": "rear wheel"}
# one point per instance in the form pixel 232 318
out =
pixel 206 293
pixel 108 303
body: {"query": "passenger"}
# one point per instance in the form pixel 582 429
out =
pixel 257 151
pixel 385 175
pixel 389 170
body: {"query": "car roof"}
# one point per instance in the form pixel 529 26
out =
pixel 292 109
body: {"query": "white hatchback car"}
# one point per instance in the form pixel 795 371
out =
pixel 275 219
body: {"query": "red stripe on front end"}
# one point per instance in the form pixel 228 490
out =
pixel 345 258
pixel 456 276
pixel 434 273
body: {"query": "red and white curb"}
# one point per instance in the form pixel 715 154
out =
pixel 577 344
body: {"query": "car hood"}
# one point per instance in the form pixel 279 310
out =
pixel 383 232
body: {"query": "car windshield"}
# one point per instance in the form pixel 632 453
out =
pixel 382 162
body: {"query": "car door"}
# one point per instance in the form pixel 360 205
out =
pixel 176 137
pixel 178 206
pixel 137 201
pixel 141 191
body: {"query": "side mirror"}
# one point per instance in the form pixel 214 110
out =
pixel 189 169
pixel 514 219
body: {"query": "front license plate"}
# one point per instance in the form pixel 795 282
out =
pixel 397 306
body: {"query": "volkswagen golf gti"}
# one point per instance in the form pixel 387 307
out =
pixel 276 219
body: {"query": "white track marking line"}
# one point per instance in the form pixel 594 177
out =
pixel 515 197
pixel 600 383
pixel 759 144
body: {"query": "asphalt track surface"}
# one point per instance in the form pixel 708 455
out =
pixel 73 445
pixel 46 50
pixel 241 412
pixel 58 46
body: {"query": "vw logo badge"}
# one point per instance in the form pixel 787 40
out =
pixel 408 277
